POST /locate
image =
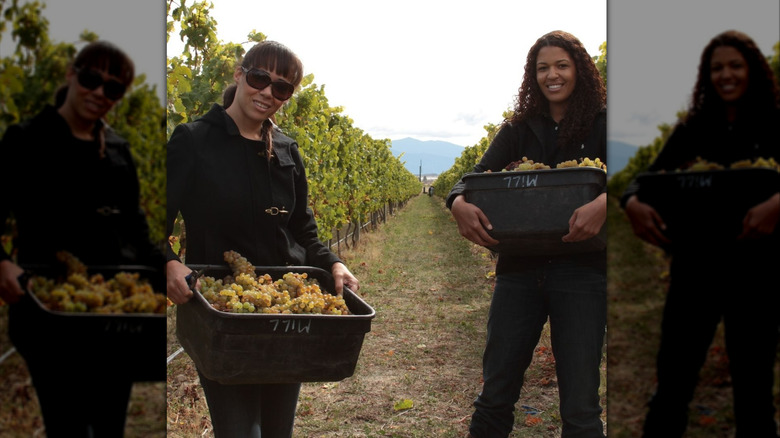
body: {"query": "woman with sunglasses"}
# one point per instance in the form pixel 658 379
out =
pixel 560 115
pixel 240 185
pixel 733 116
pixel 71 185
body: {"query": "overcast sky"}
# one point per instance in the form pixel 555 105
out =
pixel 410 68
pixel 442 70
pixel 653 55
pixel 136 26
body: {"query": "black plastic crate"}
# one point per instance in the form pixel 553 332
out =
pixel 530 210
pixel 706 207
pixel 132 344
pixel 242 348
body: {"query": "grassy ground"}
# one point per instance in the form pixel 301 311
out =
pixel 637 281
pixel 431 292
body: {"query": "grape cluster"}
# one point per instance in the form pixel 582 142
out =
pixel 524 164
pixel 246 292
pixel 583 162
pixel 238 264
pixel 700 164
pixel 759 162
pixel 125 292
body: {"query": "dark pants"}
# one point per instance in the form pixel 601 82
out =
pixel 744 293
pixel 574 299
pixel 78 404
pixel 251 411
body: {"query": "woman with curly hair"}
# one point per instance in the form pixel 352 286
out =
pixel 560 115
pixel 733 116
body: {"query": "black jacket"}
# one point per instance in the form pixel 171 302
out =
pixel 722 143
pixel 228 193
pixel 536 140
pixel 65 197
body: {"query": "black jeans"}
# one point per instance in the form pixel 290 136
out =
pixel 574 299
pixel 77 403
pixel 742 290
pixel 251 411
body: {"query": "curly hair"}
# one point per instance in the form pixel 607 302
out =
pixel 762 96
pixel 586 101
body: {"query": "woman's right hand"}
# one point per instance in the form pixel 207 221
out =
pixel 10 289
pixel 647 223
pixel 178 290
pixel 472 222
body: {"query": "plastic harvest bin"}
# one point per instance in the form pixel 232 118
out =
pixel 131 344
pixel 530 210
pixel 243 348
pixel 706 207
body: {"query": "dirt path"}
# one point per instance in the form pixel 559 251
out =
pixel 431 290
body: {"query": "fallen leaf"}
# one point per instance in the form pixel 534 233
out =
pixel 403 405
pixel 532 420
pixel 706 420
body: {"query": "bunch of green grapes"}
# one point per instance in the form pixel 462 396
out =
pixel 760 162
pixel 524 164
pixel 72 263
pixel 700 164
pixel 125 292
pixel 583 162
pixel 294 293
pixel 238 264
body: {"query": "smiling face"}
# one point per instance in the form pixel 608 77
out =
pixel 729 73
pixel 88 105
pixel 252 106
pixel 556 75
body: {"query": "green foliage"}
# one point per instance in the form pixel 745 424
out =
pixel 466 161
pixel 31 74
pixel 640 161
pixel 350 174
pixel 601 61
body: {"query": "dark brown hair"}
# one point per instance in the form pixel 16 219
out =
pixel 586 101
pixel 762 96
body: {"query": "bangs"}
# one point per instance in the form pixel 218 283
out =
pixel 275 57
pixel 107 57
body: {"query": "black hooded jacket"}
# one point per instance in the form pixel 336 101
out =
pixel 63 196
pixel 231 197
pixel 536 139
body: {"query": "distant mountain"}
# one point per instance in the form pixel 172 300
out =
pixel 618 154
pixel 434 156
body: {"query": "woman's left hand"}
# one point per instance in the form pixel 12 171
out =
pixel 587 220
pixel 342 277
pixel 762 219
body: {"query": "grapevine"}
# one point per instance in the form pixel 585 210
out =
pixel 125 292
pixel 247 292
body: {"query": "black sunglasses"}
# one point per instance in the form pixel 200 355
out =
pixel 260 79
pixel 92 79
